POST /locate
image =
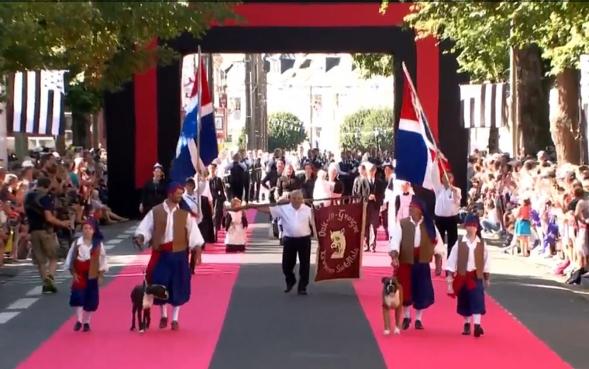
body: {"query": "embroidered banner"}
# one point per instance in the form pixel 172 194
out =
pixel 340 231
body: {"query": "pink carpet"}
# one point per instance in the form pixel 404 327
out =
pixel 111 344
pixel 507 344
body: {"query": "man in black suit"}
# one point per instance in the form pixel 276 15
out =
pixel 375 188
pixel 218 192
pixel 237 178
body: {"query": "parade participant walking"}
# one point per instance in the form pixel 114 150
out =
pixel 307 181
pixel 446 210
pixel 288 182
pixel 170 231
pixel 154 191
pixel 468 276
pixel 39 209
pixel 376 188
pixel 237 177
pixel 412 247
pixel 218 192
pixel 297 223
pixel 236 228
pixel 86 261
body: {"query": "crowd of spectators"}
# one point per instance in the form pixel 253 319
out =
pixel 535 206
pixel 76 189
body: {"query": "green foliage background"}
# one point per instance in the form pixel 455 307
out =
pixel 368 129
pixel 285 131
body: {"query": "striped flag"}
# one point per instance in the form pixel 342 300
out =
pixel 36 103
pixel 484 105
pixel 418 159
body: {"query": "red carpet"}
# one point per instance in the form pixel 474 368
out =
pixel 111 344
pixel 507 344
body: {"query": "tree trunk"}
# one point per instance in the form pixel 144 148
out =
pixel 534 128
pixel 80 129
pixel 95 131
pixel 493 140
pixel 564 124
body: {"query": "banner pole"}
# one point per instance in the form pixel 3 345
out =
pixel 199 110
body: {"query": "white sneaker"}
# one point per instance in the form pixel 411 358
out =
pixel 387 332
pixel 397 331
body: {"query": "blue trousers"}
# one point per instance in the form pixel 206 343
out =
pixel 172 270
pixel 471 301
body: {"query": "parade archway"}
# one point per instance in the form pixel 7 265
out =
pixel 143 119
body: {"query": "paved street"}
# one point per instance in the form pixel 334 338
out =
pixel 239 317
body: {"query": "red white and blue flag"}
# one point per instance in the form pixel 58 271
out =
pixel 192 153
pixel 417 159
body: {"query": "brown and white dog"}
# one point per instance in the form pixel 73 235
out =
pixel 392 299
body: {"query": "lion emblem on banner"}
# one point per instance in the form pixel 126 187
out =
pixel 338 243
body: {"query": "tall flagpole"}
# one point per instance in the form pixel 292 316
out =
pixel 199 110
pixel 426 123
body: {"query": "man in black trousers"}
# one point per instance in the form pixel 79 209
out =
pixel 218 192
pixel 297 223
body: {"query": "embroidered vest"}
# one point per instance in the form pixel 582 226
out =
pixel 426 246
pixel 479 259
pixel 160 220
pixel 94 260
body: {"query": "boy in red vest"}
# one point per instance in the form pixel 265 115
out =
pixel 468 276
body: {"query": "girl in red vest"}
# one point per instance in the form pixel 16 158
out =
pixel 86 260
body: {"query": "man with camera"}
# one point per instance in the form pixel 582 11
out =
pixel 39 208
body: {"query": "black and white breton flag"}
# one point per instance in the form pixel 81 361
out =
pixel 484 105
pixel 36 103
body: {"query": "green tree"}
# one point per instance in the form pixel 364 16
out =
pixel 482 34
pixel 102 43
pixel 242 139
pixel 285 131
pixel 368 130
pixel 374 64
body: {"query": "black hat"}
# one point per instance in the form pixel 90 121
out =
pixel 190 180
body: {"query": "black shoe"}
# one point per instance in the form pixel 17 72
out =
pixel 77 326
pixel 163 323
pixel 418 325
pixel 86 327
pixel 478 330
pixel 175 325
pixel 466 331
pixel 289 288
pixel 302 292
pixel 406 323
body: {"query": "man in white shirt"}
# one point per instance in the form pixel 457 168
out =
pixel 170 231
pixel 468 276
pixel 297 229
pixel 412 245
pixel 448 199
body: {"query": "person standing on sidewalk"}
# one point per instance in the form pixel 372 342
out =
pixel 297 223
pixel 39 208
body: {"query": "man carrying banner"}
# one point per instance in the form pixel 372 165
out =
pixel 297 223
pixel 412 245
